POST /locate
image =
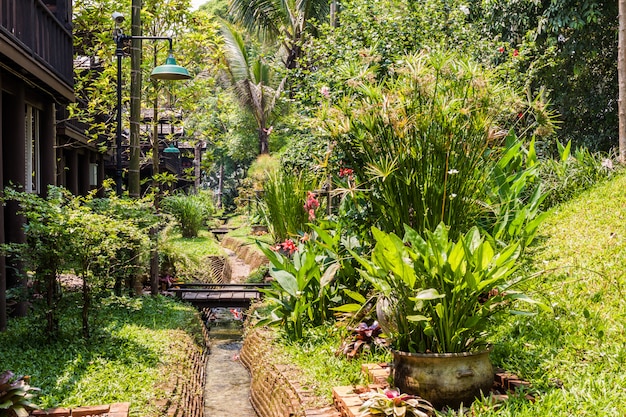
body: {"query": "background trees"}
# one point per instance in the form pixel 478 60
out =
pixel 563 52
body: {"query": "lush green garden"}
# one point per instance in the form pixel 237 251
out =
pixel 446 176
pixel 134 342
pixel 572 355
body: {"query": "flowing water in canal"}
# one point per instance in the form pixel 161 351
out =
pixel 227 388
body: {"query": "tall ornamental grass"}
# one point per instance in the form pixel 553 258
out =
pixel 283 204
pixel 421 140
pixel 190 211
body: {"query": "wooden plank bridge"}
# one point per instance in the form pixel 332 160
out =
pixel 208 295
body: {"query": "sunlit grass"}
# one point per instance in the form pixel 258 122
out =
pixel 576 356
pixel 135 343
pixel 196 248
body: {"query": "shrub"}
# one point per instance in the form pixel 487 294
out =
pixel 190 211
pixel 89 237
pixel 284 199
pixel 420 141
pixel 566 176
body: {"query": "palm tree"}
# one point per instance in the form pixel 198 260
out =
pixel 287 20
pixel 250 80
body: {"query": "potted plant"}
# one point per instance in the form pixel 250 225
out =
pixel 436 299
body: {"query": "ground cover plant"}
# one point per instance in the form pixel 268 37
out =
pixel 136 342
pixel 320 368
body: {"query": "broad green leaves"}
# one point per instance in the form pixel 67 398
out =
pixel 441 293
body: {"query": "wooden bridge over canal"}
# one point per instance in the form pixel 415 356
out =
pixel 209 295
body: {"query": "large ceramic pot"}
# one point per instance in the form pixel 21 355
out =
pixel 444 379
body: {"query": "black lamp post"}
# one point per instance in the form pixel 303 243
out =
pixel 168 71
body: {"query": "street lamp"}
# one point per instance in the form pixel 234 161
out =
pixel 168 71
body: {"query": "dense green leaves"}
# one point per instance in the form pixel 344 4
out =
pixel 420 142
pixel 437 295
pixel 101 241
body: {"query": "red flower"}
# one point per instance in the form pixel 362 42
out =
pixel 289 247
pixel 515 53
pixel 346 172
pixel 501 49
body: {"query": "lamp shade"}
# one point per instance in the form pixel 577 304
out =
pixel 170 70
pixel 171 149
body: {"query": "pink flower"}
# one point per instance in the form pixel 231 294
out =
pixel 325 91
pixel 289 247
pixel 396 396
pixel 311 204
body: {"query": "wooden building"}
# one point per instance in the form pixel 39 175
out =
pixel 36 85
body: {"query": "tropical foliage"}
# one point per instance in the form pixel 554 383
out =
pixel 438 295
pixel 422 142
pixel 192 211
pixel 392 403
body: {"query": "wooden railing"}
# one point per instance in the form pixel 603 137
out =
pixel 40 34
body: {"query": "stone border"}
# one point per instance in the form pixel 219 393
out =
pixel 272 392
pixel 187 397
pixel 111 410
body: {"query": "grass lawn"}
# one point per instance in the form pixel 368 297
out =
pixel 575 357
pixel 203 245
pixel 135 342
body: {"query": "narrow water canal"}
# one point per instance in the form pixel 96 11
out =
pixel 227 388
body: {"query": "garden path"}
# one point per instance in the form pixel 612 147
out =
pixel 239 269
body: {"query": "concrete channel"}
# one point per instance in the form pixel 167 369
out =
pixel 227 387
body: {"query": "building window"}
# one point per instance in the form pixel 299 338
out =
pixel 93 175
pixel 33 174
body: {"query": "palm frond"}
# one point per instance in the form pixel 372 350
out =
pixel 263 17
pixel 236 53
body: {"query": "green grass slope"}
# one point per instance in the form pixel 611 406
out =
pixel 575 357
pixel 136 345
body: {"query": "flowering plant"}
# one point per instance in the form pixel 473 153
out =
pixel 311 204
pixel 288 247
pixel 392 403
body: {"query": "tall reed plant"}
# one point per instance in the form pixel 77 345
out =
pixel 420 141
pixel 283 204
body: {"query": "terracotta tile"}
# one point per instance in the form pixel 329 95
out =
pixel 90 410
pixel 57 412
